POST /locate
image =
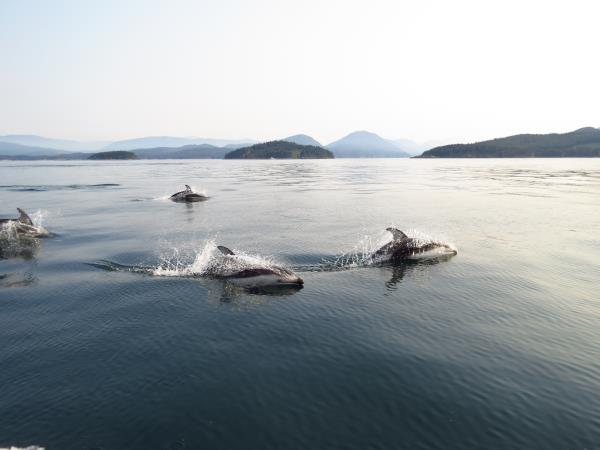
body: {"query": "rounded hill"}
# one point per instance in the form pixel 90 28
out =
pixel 280 150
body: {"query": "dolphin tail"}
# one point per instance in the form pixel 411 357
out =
pixel 24 218
pixel 225 250
pixel 397 234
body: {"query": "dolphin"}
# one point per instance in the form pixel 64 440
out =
pixel 246 272
pixel 187 195
pixel 403 248
pixel 24 225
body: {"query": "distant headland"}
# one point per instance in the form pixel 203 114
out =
pixel 582 143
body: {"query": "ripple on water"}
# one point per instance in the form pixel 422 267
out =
pixel 495 348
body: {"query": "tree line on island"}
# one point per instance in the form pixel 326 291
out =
pixel 118 154
pixel 280 150
pixel 582 143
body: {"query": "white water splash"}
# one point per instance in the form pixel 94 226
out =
pixel 31 447
pixel 15 243
pixel 361 253
pixel 8 232
pixel 38 218
pixel 208 261
pixel 9 235
pixel 177 263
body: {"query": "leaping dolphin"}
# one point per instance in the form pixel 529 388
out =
pixel 402 248
pixel 24 225
pixel 246 272
pixel 187 195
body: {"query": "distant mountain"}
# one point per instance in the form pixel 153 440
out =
pixel 280 150
pixel 584 142
pixel 171 141
pixel 11 149
pixel 203 151
pixel 112 155
pixel 363 144
pixel 303 139
pixel 32 140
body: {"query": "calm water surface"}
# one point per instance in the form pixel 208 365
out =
pixel 497 348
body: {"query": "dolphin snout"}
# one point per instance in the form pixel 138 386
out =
pixel 292 280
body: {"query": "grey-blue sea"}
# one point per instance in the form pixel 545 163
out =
pixel 496 348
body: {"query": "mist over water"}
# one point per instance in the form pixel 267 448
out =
pixel 496 347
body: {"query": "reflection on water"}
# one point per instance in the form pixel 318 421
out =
pixel 230 293
pixel 26 251
pixel 401 270
pixel 13 280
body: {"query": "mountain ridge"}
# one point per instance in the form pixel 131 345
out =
pixel 171 141
pixel 356 144
pixel 12 149
pixel 67 145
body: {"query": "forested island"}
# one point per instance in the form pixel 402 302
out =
pixel 113 155
pixel 581 143
pixel 280 150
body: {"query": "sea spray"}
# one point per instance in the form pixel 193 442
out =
pixel 207 261
pixel 362 253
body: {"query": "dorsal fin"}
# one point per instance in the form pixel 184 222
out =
pixel 188 188
pixel 225 250
pixel 397 234
pixel 24 218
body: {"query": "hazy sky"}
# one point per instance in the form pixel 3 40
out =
pixel 424 70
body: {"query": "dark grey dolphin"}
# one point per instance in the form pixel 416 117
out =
pixel 245 271
pixel 24 225
pixel 402 248
pixel 187 195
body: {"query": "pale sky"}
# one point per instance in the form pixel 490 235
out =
pixel 420 69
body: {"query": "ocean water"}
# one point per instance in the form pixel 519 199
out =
pixel 495 348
